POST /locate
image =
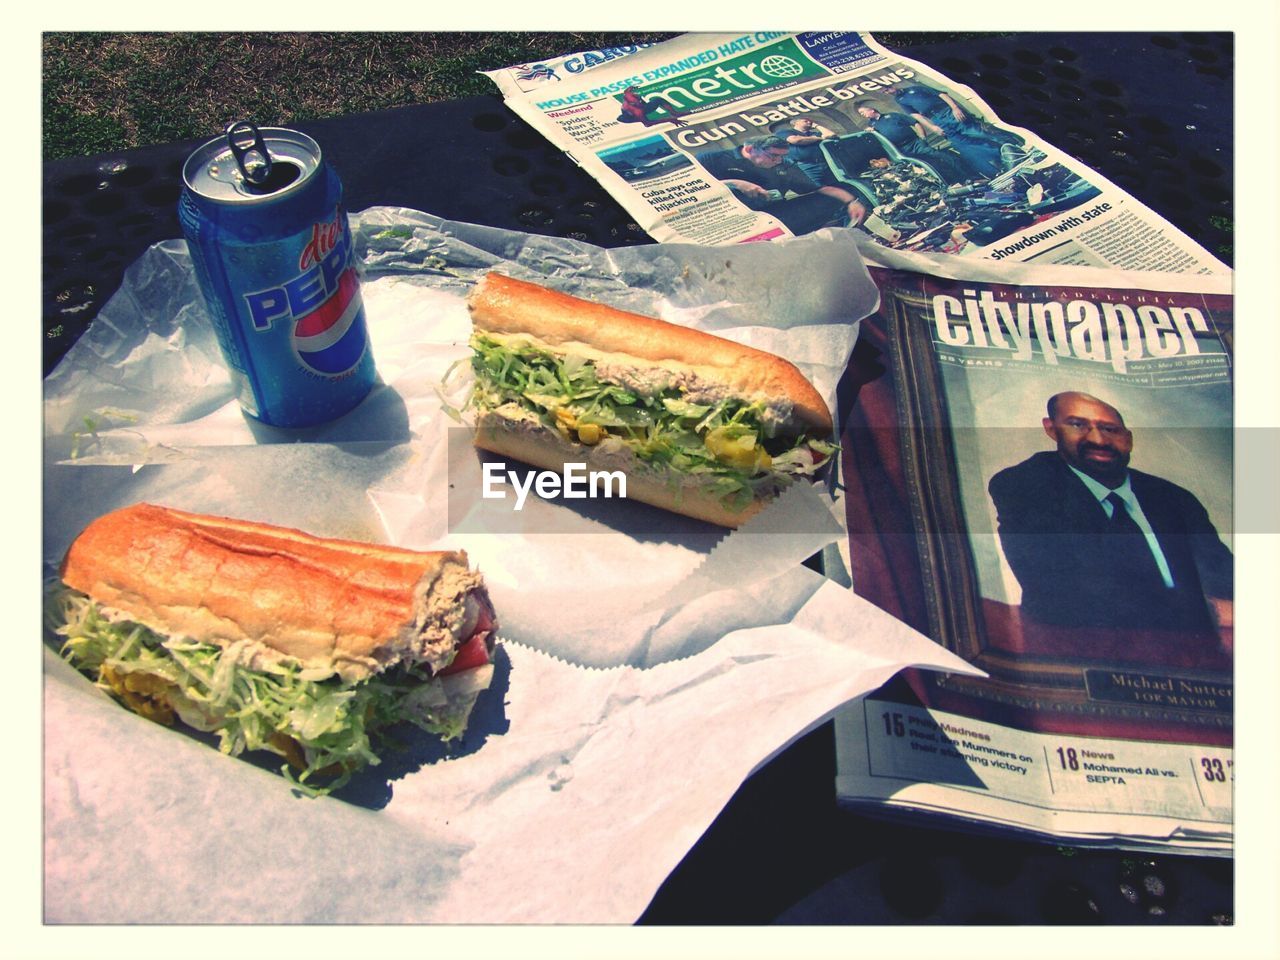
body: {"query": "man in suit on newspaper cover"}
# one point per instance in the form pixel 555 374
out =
pixel 1095 543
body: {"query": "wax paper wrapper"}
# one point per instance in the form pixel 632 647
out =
pixel 644 672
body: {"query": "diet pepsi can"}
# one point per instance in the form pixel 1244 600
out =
pixel 269 238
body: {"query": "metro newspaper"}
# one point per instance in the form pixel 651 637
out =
pixel 687 134
pixel 1022 294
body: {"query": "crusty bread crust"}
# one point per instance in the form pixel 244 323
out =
pixel 351 608
pixel 543 447
pixel 503 305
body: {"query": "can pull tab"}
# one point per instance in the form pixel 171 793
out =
pixel 251 157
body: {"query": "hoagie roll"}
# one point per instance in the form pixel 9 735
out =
pixel 701 425
pixel 275 639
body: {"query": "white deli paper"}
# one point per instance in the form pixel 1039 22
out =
pixel 643 675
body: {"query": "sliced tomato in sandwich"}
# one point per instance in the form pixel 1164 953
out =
pixel 476 650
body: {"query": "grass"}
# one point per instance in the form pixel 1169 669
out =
pixel 104 92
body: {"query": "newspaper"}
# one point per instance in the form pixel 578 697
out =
pixel 979 512
pixel 724 138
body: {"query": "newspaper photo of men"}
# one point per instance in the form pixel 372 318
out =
pixel 761 173
pixel 927 175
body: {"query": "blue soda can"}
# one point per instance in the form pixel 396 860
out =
pixel 263 216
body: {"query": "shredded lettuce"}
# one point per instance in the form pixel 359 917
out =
pixel 323 727
pixel 806 459
pixel 725 441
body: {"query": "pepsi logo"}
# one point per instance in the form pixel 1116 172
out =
pixel 331 340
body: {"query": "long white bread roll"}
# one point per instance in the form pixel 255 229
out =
pixel 649 358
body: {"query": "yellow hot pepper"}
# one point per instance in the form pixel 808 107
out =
pixel 741 451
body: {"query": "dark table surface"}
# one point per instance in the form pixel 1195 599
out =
pixel 781 851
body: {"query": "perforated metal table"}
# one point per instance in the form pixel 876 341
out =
pixel 781 851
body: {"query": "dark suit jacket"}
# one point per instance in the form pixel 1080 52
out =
pixel 1074 572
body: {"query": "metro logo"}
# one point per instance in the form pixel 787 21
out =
pixel 781 64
